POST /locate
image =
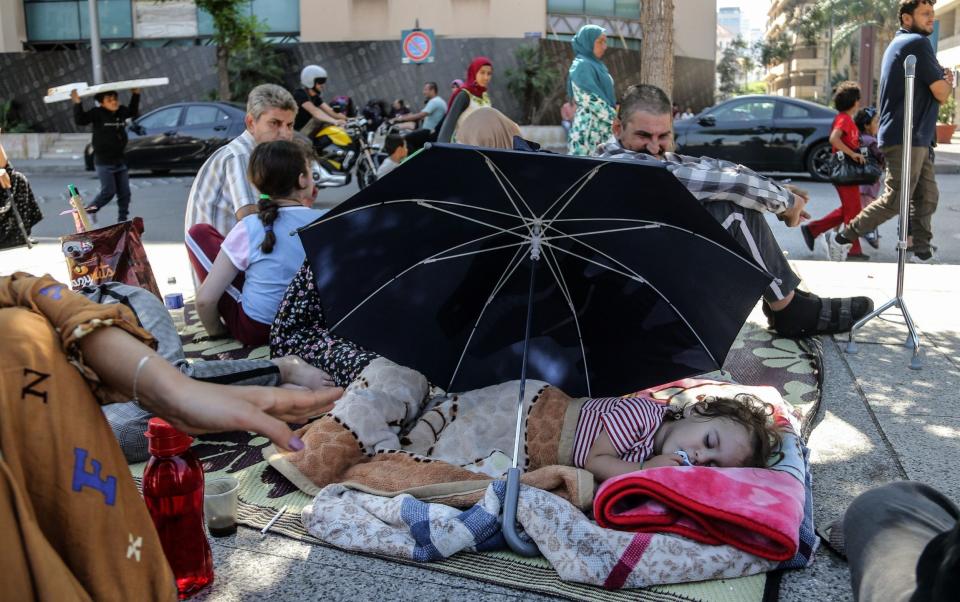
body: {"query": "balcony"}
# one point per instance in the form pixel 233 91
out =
pixel 812 64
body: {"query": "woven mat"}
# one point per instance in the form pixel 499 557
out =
pixel 758 357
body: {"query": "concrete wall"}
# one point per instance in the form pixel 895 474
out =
pixel 346 20
pixel 695 29
pixel 13 27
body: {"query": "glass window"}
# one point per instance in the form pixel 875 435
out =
pixel 52 21
pixel 115 16
pixel 565 6
pixel 164 118
pixel 792 111
pixel 201 115
pixel 606 8
pixel 279 16
pixel 628 9
pixel 745 111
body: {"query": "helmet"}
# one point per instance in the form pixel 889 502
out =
pixel 310 75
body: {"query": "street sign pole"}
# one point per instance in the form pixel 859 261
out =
pixel 95 42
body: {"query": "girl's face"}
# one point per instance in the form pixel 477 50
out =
pixel 484 75
pixel 716 441
pixel 600 46
pixel 874 126
pixel 308 191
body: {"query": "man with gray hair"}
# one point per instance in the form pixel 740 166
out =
pixel 221 193
pixel 737 198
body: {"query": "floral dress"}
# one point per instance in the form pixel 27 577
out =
pixel 300 329
pixel 592 124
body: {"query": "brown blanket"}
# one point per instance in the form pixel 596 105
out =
pixel 387 436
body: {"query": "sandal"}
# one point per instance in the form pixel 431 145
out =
pixel 809 314
pixel 832 538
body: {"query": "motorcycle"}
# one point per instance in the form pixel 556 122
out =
pixel 343 152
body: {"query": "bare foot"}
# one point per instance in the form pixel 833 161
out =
pixel 295 371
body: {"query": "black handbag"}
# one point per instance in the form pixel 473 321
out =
pixel 846 172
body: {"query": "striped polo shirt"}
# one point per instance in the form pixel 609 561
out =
pixel 631 423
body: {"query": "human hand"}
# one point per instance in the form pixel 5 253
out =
pixel 196 407
pixel 75 96
pixel 135 90
pixel 858 158
pixel 795 215
pixel 4 178
pixel 663 460
pixel 798 191
pixel 948 75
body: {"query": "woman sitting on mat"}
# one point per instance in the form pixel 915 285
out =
pixel 255 263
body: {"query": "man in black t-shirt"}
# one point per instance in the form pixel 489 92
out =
pixel 311 109
pixel 109 140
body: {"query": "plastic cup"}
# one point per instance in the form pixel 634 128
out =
pixel 220 505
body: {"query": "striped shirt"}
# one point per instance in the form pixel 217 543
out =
pixel 222 187
pixel 710 179
pixel 630 422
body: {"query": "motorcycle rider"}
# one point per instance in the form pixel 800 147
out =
pixel 312 110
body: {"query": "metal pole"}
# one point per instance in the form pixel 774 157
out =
pixel 829 60
pixel 95 42
pixel 913 339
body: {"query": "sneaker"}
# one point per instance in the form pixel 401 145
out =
pixel 838 251
pixel 873 238
pixel 808 236
pixel 921 257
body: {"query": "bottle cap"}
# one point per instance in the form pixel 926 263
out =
pixel 164 440
pixel 173 301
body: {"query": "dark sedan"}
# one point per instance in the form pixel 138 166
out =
pixel 179 136
pixel 765 133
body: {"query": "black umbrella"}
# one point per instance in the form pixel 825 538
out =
pixel 439 267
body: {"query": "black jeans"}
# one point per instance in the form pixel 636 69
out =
pixel 114 180
pixel 903 543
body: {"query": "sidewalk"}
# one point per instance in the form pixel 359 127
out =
pixel 880 421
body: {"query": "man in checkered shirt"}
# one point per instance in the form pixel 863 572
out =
pixel 737 198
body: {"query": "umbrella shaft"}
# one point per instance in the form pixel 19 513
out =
pixel 523 367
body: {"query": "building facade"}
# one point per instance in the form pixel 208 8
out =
pixel 807 72
pixel 46 43
pixel 948 40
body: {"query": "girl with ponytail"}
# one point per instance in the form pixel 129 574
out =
pixel 255 263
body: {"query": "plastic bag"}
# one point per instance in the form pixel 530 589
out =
pixel 111 254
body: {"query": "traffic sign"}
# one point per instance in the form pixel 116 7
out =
pixel 417 46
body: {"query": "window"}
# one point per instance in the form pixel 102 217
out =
pixel 745 111
pixel 162 119
pixel 204 115
pixel 792 111
pixel 50 21
pixel 626 9
pixel 278 15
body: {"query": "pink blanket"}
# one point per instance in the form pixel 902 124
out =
pixel 756 510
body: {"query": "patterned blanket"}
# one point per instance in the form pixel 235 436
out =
pixel 579 549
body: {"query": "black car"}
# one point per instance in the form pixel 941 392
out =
pixel 179 136
pixel 765 133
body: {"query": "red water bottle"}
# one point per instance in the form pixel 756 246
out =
pixel 173 491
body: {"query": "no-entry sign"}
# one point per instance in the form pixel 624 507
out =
pixel 417 46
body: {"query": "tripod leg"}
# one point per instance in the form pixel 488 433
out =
pixel 913 338
pixel 851 344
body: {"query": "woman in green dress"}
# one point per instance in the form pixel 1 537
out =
pixel 590 86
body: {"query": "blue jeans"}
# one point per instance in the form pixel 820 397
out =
pixel 114 180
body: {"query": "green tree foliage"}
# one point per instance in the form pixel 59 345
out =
pixel 233 32
pixel 536 82
pixel 10 121
pixel 260 63
pixel 736 63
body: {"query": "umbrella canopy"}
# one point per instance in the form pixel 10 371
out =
pixel 431 267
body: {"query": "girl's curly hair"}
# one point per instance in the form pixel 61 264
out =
pixel 753 414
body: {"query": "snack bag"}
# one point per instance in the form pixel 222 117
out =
pixel 111 254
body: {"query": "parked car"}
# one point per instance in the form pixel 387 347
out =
pixel 764 133
pixel 179 136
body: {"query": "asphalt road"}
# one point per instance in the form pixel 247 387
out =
pixel 161 202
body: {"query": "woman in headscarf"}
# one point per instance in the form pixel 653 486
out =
pixel 489 128
pixel 590 86
pixel 467 99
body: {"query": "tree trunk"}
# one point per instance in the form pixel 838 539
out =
pixel 223 73
pixel 656 59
